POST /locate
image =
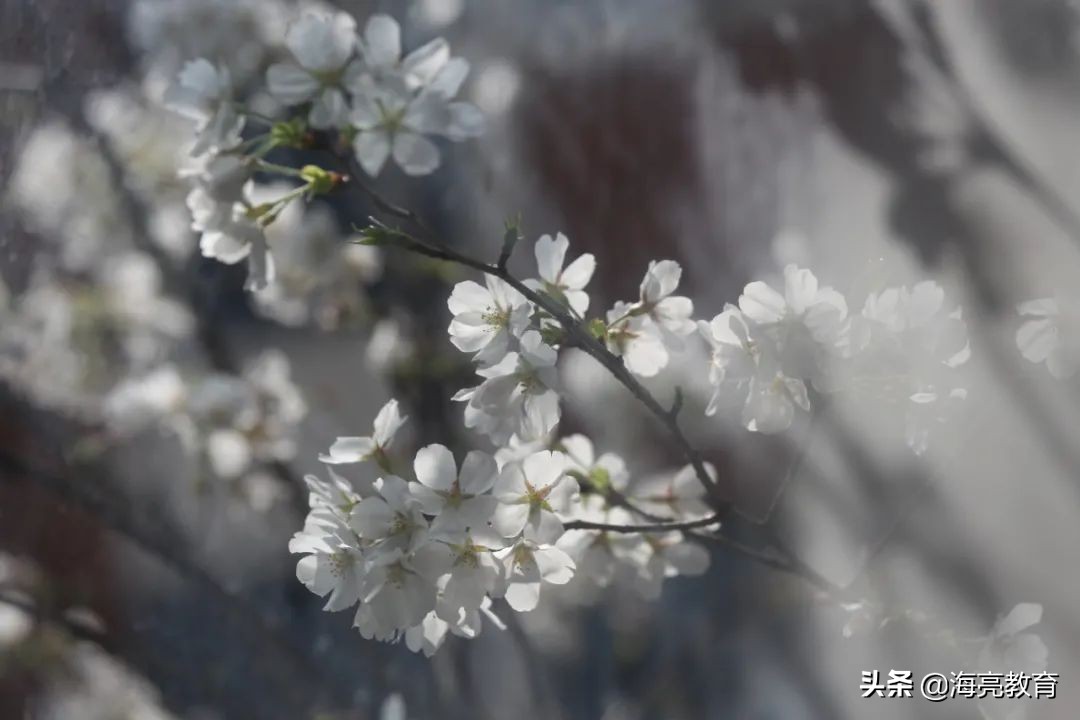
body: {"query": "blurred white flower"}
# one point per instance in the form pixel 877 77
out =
pixel 1041 338
pixel 908 348
pixel 745 371
pixel 137 401
pixel 204 93
pixel 132 287
pixel 393 707
pixel 63 189
pixel 663 556
pixel 637 339
pixel 237 33
pixel 399 101
pixel 221 210
pixel 677 495
pixel 605 472
pixel 322 46
pixel 315 279
pixel 671 313
pixel 806 322
pixel 388 345
pixel 391 123
pixel 1010 648
pixel 16 625
pixel 602 557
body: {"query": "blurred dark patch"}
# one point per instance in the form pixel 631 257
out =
pixel 613 144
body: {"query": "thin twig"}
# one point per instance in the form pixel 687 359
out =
pixel 643 528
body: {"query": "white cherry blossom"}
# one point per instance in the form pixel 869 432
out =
pixel 527 566
pixel 381 48
pixel 602 557
pixel 393 519
pixel 637 339
pixel 204 93
pixel 460 500
pixel 391 123
pixel 608 471
pixel 745 372
pixel 362 449
pixel 331 502
pixel 671 313
pixel 678 495
pixel 564 284
pixel 322 46
pixel 909 347
pixel 473 572
pixel 517 396
pixel 427 637
pixel 486 317
pixel 221 210
pixel 532 494
pixel 646 332
pixel 397 102
pixel 1041 338
pixel 806 322
pixel 333 562
pixel 399 588
pixel 666 555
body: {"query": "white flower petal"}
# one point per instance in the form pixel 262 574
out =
pixel 382 41
pixel 372 148
pixel 415 154
pixel 435 467
pixel 290 84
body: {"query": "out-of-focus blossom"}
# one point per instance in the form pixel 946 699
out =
pixel 397 102
pixel 204 93
pixel 322 47
pixel 807 322
pixel 1041 337
pixel 1011 646
pixel 746 373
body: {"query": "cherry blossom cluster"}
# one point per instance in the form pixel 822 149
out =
pixel 424 556
pixel 357 85
pixel 233 426
pixel 905 346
